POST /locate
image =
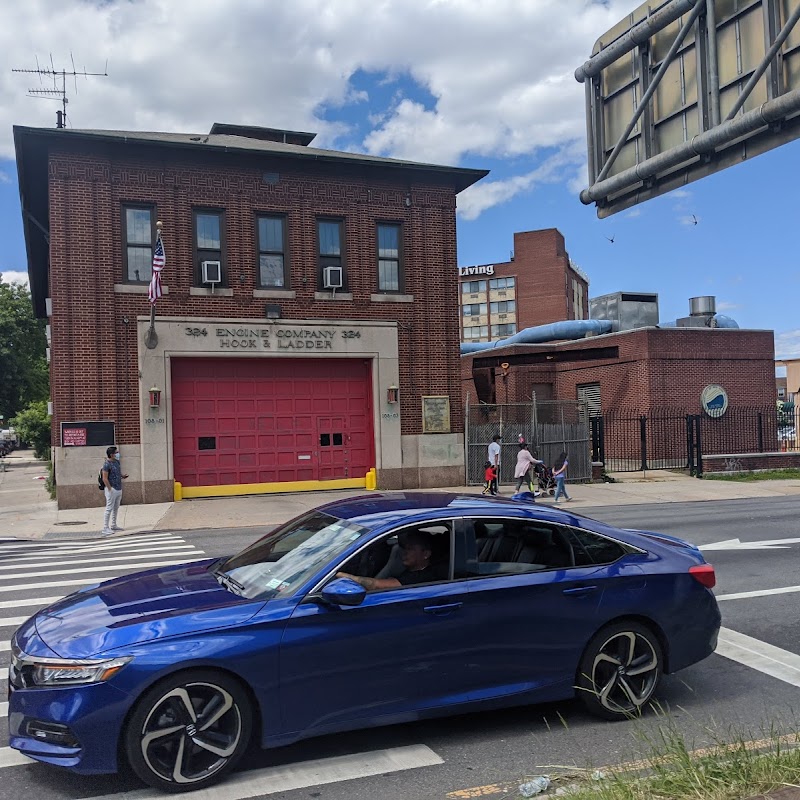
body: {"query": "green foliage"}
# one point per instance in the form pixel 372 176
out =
pixel 23 363
pixel 33 427
pixel 789 473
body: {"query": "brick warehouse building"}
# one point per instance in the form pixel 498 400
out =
pixel 308 331
pixel 540 284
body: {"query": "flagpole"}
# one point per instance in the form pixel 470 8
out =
pixel 151 337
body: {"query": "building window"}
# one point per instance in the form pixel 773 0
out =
pixel 577 299
pixel 501 283
pixel 389 264
pixel 504 307
pixel 476 332
pixel 330 249
pixel 208 247
pixel 139 236
pixel 473 309
pixel 500 331
pixel 272 252
pixel 472 287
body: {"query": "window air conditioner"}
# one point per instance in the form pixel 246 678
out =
pixel 212 272
pixel 332 278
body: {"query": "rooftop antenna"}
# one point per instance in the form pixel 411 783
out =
pixel 59 91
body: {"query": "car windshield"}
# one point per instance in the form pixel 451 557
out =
pixel 280 562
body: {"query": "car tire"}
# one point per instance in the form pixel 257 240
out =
pixel 620 670
pixel 188 730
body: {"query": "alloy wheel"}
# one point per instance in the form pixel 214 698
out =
pixel 625 671
pixel 191 732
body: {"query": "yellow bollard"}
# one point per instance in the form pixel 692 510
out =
pixel 177 491
pixel 372 480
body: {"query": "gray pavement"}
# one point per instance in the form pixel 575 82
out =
pixel 27 512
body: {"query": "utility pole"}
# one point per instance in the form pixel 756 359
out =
pixel 59 92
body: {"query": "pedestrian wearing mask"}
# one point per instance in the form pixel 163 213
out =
pixel 112 480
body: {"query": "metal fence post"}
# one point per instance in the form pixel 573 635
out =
pixel 690 443
pixel 643 440
pixel 760 433
pixel 699 440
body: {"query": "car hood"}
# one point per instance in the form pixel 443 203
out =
pixel 144 606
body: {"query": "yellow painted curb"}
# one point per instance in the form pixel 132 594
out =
pixel 233 490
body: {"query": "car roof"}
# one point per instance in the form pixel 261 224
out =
pixel 382 508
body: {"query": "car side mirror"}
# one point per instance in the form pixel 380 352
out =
pixel 344 592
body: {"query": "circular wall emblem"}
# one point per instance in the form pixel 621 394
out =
pixel 714 400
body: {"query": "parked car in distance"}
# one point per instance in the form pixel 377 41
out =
pixel 363 612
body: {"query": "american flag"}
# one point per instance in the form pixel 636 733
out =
pixel 159 259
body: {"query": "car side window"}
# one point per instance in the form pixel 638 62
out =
pixel 383 558
pixel 512 546
pixel 591 549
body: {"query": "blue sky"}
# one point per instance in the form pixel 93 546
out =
pixel 446 81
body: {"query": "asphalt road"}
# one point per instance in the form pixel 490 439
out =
pixel 710 699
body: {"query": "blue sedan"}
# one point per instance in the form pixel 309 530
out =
pixel 364 612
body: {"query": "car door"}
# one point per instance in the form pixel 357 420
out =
pixel 533 610
pixel 394 654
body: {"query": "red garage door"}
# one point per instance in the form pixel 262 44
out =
pixel 268 420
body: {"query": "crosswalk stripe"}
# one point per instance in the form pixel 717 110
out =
pixel 7 622
pixel 101 546
pixel 22 561
pixel 4 646
pixel 87 580
pixel 55 545
pixel 158 552
pixel 107 568
pixel 304 774
pixel 3 709
pixel 30 601
pixel 12 758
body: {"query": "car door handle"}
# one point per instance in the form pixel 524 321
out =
pixel 579 591
pixel 442 610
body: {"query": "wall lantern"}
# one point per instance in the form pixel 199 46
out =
pixel 392 394
pixel 155 397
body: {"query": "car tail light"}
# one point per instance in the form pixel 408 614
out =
pixel 704 573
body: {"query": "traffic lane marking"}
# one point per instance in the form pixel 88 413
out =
pixel 304 774
pixel 758 593
pixel 758 655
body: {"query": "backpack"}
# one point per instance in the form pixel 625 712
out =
pixel 100 485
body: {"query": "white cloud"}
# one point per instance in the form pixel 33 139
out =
pixel 12 276
pixel 787 344
pixel 4 177
pixel 724 305
pixel 688 219
pixel 500 74
pixel 633 213
pixel 680 194
pixel 487 193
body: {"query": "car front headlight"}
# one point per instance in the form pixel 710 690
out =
pixel 28 672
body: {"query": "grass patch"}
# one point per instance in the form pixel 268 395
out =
pixel 733 768
pixel 766 475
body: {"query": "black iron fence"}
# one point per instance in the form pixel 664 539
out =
pixel 628 441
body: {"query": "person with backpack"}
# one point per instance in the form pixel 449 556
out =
pixel 111 478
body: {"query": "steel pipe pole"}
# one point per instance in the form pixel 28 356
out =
pixel 635 36
pixel 702 144
pixel 762 67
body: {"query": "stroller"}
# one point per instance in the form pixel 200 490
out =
pixel 545 479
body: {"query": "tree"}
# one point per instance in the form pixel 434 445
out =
pixel 24 377
pixel 33 427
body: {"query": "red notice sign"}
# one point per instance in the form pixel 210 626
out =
pixel 74 437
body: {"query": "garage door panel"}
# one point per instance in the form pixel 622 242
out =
pixel 261 415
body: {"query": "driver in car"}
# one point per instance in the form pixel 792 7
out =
pixel 417 547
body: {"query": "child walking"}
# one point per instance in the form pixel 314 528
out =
pixel 560 474
pixel 489 478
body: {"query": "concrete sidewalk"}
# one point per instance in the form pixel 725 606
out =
pixel 26 511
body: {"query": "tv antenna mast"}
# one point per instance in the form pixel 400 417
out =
pixel 59 92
